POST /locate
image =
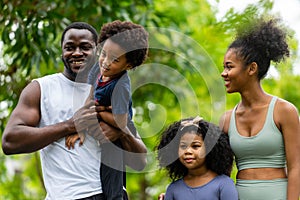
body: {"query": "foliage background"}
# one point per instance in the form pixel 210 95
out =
pixel 180 78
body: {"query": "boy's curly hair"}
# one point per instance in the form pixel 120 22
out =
pixel 219 156
pixel 133 38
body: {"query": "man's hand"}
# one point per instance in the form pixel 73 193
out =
pixel 86 117
pixel 104 133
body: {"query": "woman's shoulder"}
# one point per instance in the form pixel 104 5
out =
pixel 225 120
pixel 284 105
pixel 284 113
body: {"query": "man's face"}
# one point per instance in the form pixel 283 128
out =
pixel 78 53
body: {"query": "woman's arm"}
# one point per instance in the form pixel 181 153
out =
pixel 287 119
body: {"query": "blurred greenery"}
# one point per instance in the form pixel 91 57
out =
pixel 181 77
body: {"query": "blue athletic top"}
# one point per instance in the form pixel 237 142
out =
pixel 219 188
pixel 115 93
pixel 266 149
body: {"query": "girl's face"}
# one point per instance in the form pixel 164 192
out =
pixel 191 151
pixel 112 60
pixel 234 73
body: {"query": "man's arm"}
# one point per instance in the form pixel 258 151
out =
pixel 135 149
pixel 21 134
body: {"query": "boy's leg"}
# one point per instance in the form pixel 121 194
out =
pixel 125 196
pixel 112 170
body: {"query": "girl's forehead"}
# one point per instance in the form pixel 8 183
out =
pixel 191 136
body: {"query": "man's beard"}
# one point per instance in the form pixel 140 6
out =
pixel 68 69
pixel 83 73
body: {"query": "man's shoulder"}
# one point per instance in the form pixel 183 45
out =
pixel 49 78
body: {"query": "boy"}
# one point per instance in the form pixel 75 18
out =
pixel 123 46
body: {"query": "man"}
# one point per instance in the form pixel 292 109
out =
pixel 49 109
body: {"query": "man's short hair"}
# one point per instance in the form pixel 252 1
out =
pixel 80 25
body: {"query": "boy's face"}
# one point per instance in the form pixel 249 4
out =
pixel 112 60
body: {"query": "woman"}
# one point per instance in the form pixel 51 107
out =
pixel 264 130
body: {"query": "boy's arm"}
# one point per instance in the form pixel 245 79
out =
pixel 108 117
pixel 116 120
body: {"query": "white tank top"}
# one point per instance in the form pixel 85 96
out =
pixel 68 174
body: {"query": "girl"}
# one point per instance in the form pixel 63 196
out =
pixel 201 166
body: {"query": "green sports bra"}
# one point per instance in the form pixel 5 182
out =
pixel 266 149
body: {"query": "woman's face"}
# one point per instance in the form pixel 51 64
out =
pixel 191 151
pixel 234 73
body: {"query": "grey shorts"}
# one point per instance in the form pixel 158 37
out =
pixel 262 189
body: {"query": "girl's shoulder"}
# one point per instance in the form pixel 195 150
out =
pixel 177 182
pixel 223 178
pixel 227 187
pixel 176 185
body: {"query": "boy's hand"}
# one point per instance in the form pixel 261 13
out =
pixel 71 140
pixel 102 108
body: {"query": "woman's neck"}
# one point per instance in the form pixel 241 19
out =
pixel 253 95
